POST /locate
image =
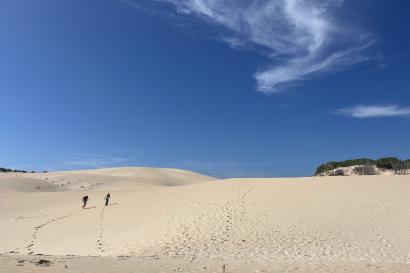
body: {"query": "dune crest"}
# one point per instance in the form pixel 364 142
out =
pixel 103 179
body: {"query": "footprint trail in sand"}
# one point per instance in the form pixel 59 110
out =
pixel 31 245
pixel 100 241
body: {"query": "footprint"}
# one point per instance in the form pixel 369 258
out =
pixel 39 227
pixel 100 244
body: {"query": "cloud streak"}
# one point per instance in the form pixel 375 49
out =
pixel 375 111
pixel 301 36
pixel 230 169
pixel 94 161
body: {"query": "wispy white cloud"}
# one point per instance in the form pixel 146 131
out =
pixel 375 111
pixel 229 169
pixel 94 160
pixel 301 36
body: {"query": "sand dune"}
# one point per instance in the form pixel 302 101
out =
pixel 321 224
pixel 19 183
pixel 102 179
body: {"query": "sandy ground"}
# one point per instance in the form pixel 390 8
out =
pixel 166 220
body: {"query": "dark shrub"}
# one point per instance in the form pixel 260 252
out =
pixel 387 163
pixel 338 172
pixel 365 170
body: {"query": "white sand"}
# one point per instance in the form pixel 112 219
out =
pixel 164 220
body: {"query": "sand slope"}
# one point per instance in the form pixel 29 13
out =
pixel 13 182
pixel 273 225
pixel 101 179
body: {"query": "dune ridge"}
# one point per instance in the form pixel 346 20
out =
pixel 102 179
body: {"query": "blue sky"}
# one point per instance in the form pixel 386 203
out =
pixel 228 88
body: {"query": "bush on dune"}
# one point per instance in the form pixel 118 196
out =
pixel 5 170
pixel 365 170
pixel 385 163
pixel 339 164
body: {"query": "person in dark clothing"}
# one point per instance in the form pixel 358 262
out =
pixel 107 199
pixel 85 200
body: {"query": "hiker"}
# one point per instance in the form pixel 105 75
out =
pixel 107 199
pixel 85 199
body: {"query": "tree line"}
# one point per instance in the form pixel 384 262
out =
pixel 6 170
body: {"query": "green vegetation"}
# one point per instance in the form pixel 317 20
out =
pixel 5 170
pixel 337 164
pixel 365 170
pixel 387 163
